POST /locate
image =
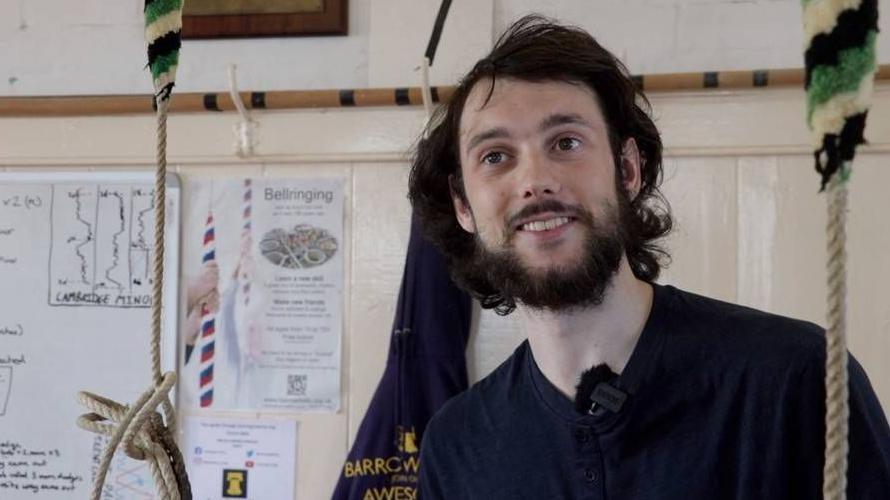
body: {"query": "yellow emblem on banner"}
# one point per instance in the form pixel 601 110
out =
pixel 407 440
pixel 234 483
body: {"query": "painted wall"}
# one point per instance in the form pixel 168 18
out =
pixel 60 47
pixel 738 173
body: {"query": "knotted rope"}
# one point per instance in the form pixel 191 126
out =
pixel 140 429
pixel 840 68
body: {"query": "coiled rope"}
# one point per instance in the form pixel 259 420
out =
pixel 139 429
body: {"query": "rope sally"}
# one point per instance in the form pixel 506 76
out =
pixel 208 323
pixel 140 429
pixel 163 32
pixel 250 346
pixel 244 265
pixel 840 70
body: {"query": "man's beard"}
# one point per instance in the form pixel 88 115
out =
pixel 563 288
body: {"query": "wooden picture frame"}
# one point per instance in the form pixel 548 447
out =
pixel 232 19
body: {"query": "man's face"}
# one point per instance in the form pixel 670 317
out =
pixel 540 182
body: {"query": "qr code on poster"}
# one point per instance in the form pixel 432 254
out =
pixel 296 385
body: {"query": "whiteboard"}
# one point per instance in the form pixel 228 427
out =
pixel 76 252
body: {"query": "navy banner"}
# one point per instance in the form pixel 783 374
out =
pixel 426 366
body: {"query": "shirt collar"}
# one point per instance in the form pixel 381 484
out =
pixel 639 365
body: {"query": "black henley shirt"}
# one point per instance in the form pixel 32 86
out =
pixel 725 402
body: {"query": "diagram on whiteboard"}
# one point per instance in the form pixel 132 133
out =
pixel 102 246
pixel 76 288
pixel 128 479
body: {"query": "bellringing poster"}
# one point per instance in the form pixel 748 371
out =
pixel 263 294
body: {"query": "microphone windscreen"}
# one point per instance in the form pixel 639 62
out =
pixel 588 382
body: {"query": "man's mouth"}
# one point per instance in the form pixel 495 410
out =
pixel 545 225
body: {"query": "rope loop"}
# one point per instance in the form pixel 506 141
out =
pixel 140 431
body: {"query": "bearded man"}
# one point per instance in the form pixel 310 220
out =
pixel 539 182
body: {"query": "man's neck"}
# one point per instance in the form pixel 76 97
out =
pixel 565 344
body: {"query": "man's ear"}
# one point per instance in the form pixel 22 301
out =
pixel 461 207
pixel 631 165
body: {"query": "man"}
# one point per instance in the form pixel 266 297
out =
pixel 540 185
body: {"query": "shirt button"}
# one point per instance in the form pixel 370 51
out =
pixel 582 436
pixel 590 475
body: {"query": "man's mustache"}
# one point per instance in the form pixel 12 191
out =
pixel 543 207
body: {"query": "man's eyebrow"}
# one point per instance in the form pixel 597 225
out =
pixel 492 133
pixel 551 121
pixel 557 119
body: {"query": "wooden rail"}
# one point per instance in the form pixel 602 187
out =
pixel 402 96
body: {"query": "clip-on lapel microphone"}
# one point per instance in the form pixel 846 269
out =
pixel 595 391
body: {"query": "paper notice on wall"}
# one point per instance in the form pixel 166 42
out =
pixel 228 458
pixel 263 261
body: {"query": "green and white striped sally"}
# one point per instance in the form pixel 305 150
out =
pixel 840 68
pixel 163 32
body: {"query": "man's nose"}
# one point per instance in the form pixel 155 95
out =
pixel 537 177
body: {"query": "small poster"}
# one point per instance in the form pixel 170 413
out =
pixel 263 264
pixel 228 458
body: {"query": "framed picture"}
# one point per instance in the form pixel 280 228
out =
pixel 263 18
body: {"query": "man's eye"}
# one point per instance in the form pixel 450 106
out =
pixel 493 158
pixel 567 144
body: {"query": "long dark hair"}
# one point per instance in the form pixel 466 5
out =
pixel 537 49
